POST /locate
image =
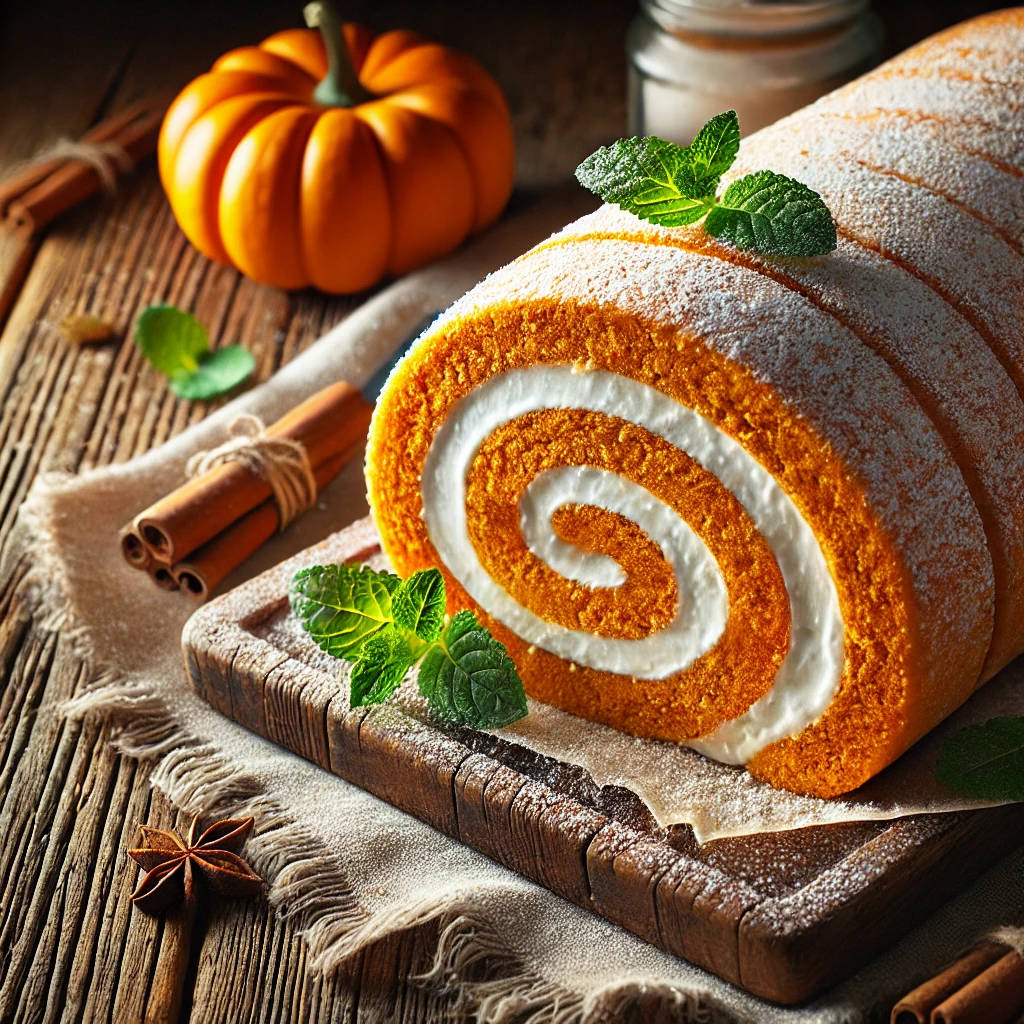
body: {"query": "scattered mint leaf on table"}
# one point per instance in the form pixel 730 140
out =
pixel 672 185
pixel 385 626
pixel 177 345
pixel 171 340
pixel 216 374
pixel 985 761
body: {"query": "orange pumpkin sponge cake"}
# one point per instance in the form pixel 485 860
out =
pixel 764 508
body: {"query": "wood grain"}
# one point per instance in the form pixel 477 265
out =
pixel 851 891
pixel 70 946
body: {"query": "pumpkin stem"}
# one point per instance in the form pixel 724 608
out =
pixel 340 87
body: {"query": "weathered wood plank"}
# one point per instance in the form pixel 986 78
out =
pixel 295 709
pixel 401 764
pixel 625 867
pixel 906 871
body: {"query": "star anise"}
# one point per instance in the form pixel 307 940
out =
pixel 174 866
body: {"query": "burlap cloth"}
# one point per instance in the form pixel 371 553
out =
pixel 352 868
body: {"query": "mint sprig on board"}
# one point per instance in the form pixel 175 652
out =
pixel 985 761
pixel 672 185
pixel 176 344
pixel 385 626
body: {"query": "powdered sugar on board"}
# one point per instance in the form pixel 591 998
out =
pixel 678 785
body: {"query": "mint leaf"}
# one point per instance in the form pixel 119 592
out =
pixel 773 215
pixel 418 604
pixel 660 181
pixel 385 626
pixel 172 341
pixel 462 622
pixel 672 185
pixel 177 345
pixel 713 151
pixel 343 606
pixel 217 373
pixel 428 679
pixel 986 761
pixel 383 662
pixel 649 177
pixel 469 679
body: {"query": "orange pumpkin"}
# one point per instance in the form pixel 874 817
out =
pixel 332 158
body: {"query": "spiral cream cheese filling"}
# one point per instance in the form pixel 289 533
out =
pixel 699 621
pixel 811 670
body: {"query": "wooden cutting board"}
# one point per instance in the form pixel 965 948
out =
pixel 782 915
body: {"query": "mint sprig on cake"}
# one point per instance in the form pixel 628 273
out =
pixel 674 186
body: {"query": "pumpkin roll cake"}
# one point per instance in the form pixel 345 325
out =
pixel 765 508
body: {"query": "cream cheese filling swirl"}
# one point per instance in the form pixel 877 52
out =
pixel 810 673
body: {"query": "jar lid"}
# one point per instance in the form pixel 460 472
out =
pixel 753 17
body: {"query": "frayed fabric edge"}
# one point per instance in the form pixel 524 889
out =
pixel 43 577
pixel 306 882
pixel 511 991
pixel 517 995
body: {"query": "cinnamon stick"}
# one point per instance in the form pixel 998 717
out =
pixel 327 424
pixel 17 247
pixel 958 987
pixel 161 575
pixel 32 173
pixel 996 996
pixel 73 181
pixel 206 568
pixel 136 554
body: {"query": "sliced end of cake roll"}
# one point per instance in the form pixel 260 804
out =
pixel 693 505
pixel 767 508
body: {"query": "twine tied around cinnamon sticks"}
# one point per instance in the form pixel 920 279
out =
pixel 242 492
pixel 72 170
pixel 38 190
pixel 282 462
pixel 107 159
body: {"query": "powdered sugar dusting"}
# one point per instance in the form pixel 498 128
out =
pixel 817 366
pixel 989 49
pixel 977 114
pixel 894 143
pixel 915 226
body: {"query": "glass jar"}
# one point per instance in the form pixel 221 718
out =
pixel 692 59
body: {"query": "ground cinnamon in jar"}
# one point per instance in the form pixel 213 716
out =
pixel 692 59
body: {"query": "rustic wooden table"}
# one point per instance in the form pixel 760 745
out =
pixel 70 946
